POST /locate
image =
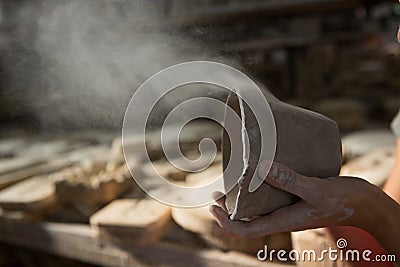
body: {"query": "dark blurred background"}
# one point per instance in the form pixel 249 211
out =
pixel 71 65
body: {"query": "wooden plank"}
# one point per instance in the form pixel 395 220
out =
pixel 58 162
pixel 22 216
pixel 10 145
pixel 79 242
pixel 84 188
pixel 33 153
pixel 70 241
pixel 374 166
pixel 138 221
pixel 22 153
pixel 13 164
pixel 87 185
pixel 363 142
pixel 13 177
pixel 36 195
pixel 33 194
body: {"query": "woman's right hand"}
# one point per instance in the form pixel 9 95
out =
pixel 335 201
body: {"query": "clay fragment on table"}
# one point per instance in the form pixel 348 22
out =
pixel 307 142
pixel 132 221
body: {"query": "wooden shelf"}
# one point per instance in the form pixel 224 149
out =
pixel 79 242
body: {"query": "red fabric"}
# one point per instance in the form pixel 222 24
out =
pixel 360 240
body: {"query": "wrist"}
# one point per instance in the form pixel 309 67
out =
pixel 372 209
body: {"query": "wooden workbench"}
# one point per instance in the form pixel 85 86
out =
pixel 79 242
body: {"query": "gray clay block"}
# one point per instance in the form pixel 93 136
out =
pixel 307 142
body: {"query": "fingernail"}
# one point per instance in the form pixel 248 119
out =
pixel 216 195
pixel 263 169
pixel 214 209
pixel 273 172
pixel 268 170
pixel 211 208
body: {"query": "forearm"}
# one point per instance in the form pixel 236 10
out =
pixel 386 229
pixel 375 228
pixel 361 240
pixel 381 218
pixel 392 185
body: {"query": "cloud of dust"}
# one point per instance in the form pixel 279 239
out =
pixel 76 63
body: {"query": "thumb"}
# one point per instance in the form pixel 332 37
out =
pixel 288 180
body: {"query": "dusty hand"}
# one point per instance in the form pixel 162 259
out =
pixel 324 202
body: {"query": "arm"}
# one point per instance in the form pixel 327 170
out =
pixel 392 185
pixel 336 201
pixel 359 238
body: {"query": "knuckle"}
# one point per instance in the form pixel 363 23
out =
pixel 289 179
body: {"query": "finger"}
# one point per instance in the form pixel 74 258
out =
pixel 222 218
pixel 286 179
pixel 219 198
pixel 296 217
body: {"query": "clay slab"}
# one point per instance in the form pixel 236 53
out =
pixel 307 142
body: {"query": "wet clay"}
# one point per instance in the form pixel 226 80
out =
pixel 307 142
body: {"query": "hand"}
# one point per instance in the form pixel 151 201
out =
pixel 324 202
